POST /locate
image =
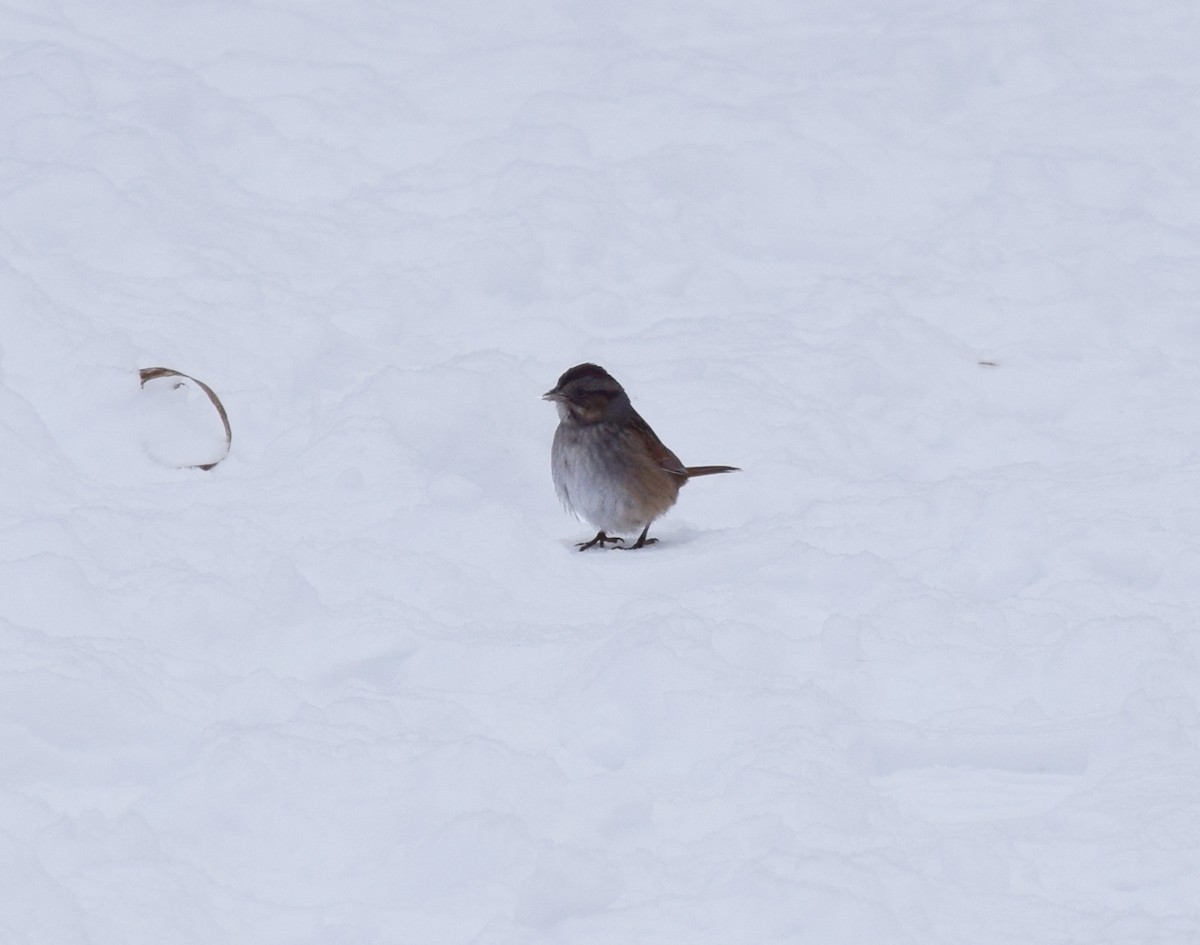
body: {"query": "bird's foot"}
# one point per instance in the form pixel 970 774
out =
pixel 601 539
pixel 642 541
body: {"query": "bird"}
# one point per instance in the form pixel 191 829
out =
pixel 609 467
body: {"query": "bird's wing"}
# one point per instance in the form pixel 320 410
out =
pixel 662 457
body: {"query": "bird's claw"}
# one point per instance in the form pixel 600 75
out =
pixel 601 539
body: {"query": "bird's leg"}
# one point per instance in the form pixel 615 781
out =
pixel 601 539
pixel 642 540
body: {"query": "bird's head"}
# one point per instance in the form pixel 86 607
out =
pixel 588 394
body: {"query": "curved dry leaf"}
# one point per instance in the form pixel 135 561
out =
pixel 153 373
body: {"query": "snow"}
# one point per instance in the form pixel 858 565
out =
pixel 926 670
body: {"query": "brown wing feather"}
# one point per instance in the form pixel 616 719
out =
pixel 667 460
pixel 662 457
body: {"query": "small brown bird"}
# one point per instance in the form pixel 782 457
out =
pixel 609 468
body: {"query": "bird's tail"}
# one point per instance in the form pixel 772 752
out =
pixel 709 470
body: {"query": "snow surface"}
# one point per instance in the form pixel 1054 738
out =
pixel 925 672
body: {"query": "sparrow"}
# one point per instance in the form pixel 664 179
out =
pixel 609 467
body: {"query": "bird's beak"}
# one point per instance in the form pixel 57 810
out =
pixel 553 395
